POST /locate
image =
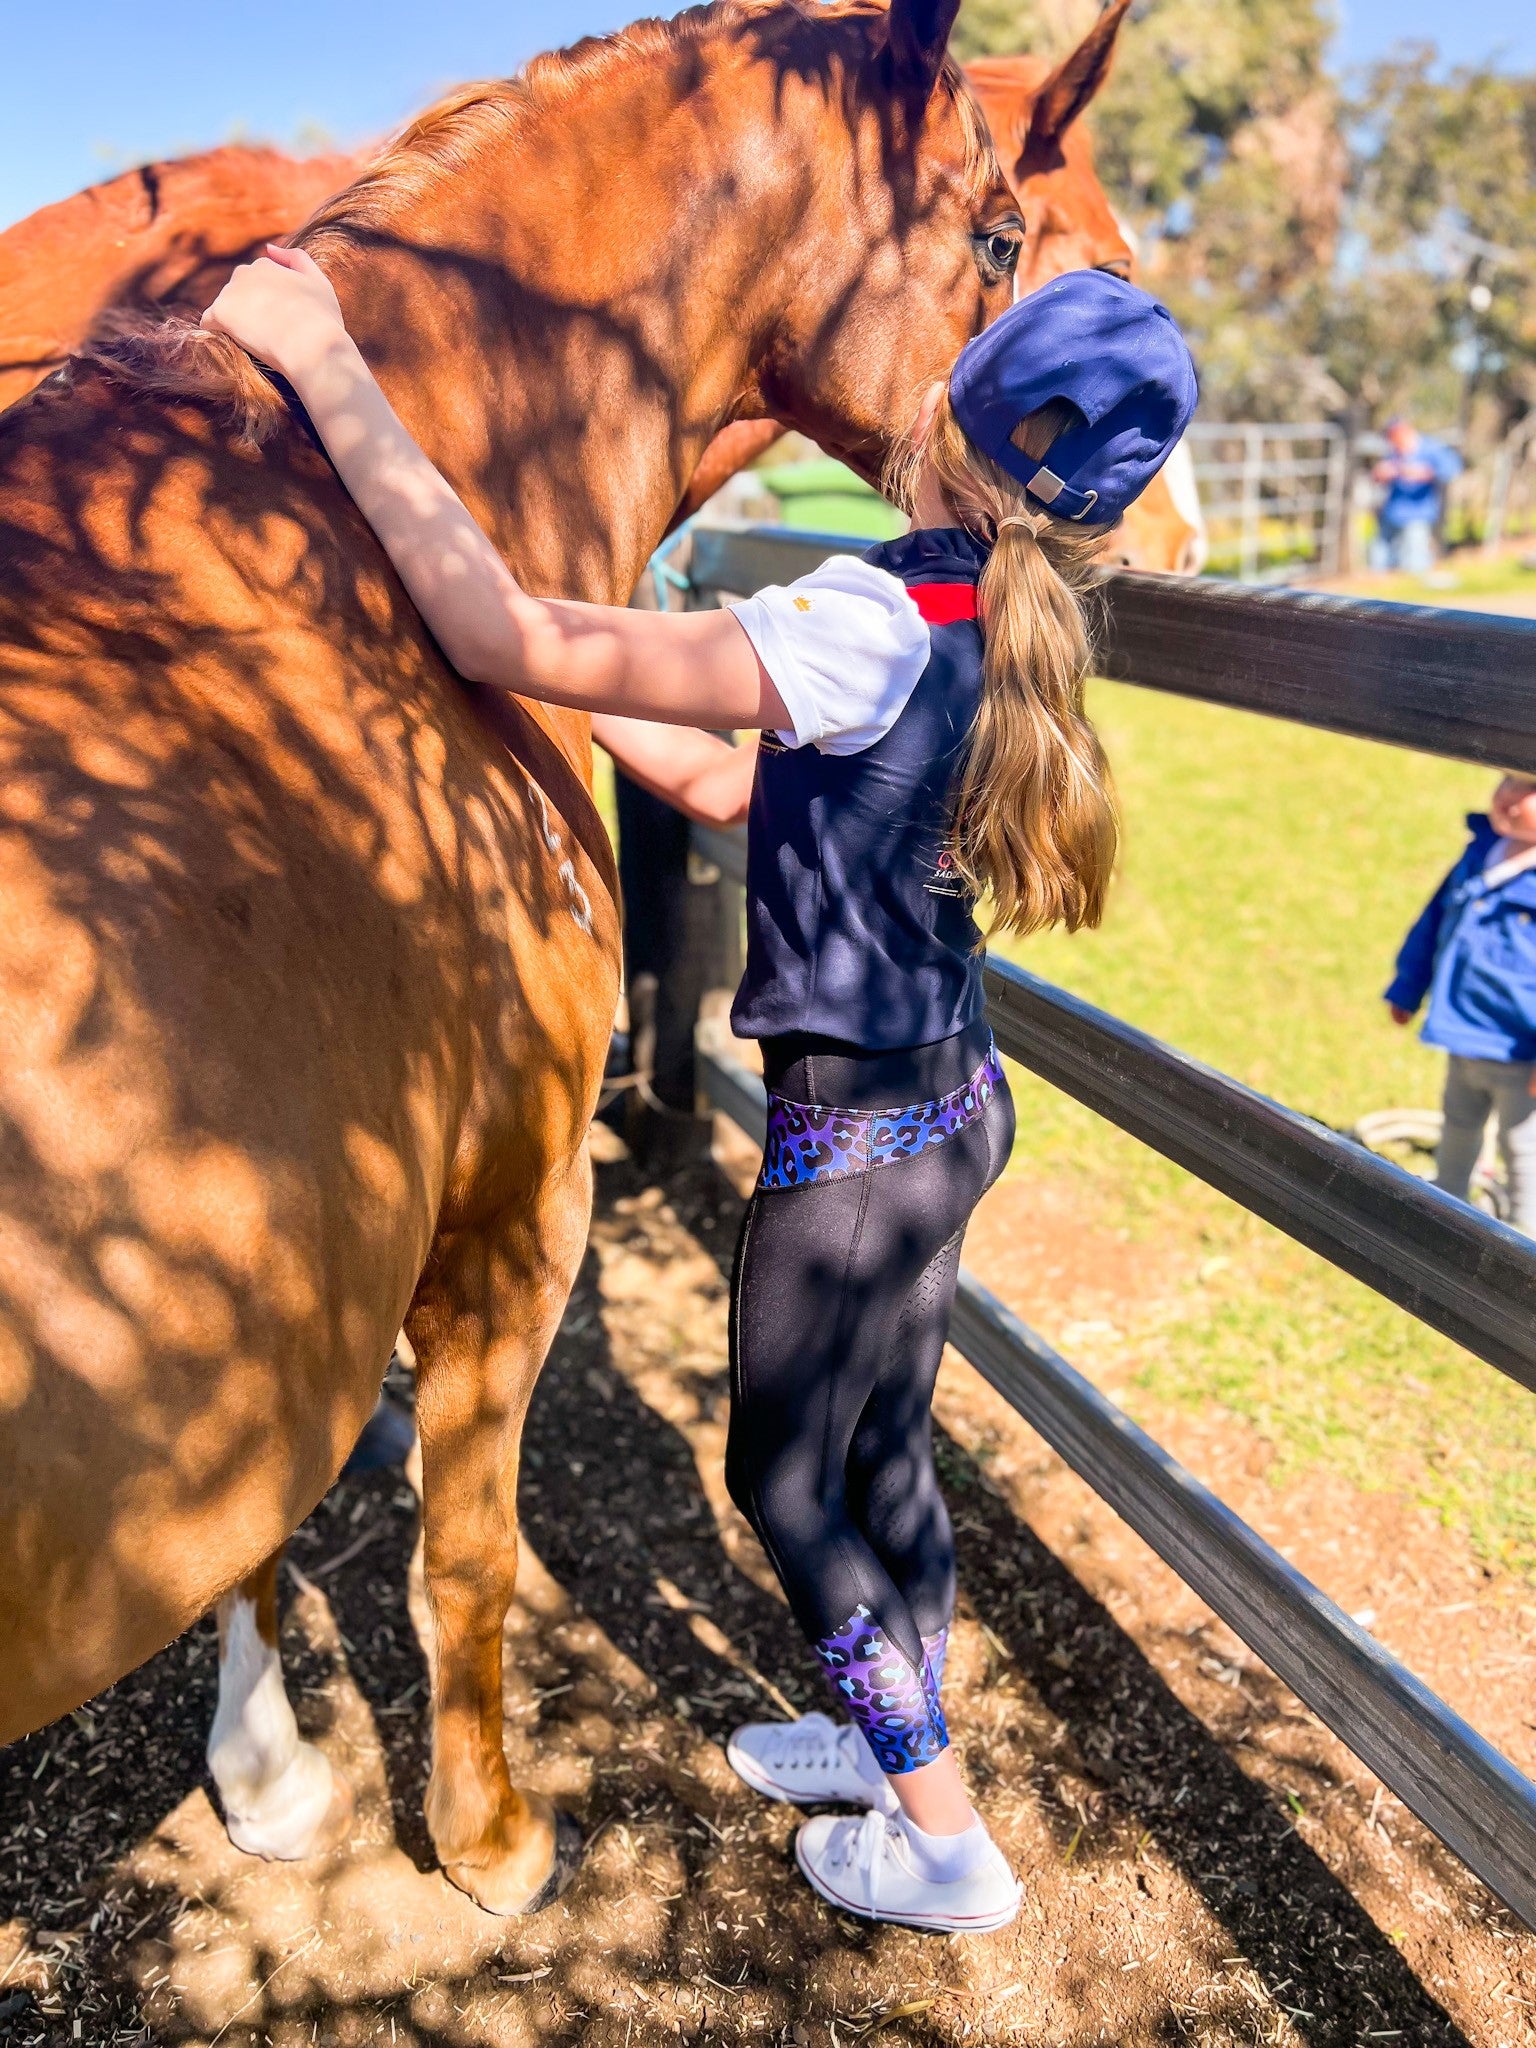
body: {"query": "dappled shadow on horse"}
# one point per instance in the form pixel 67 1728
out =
pixel 173 231
pixel 1035 109
pixel 311 955
pixel 163 233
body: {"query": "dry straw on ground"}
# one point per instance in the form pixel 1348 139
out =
pixel 1204 1863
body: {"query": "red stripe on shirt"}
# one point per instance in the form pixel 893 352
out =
pixel 944 604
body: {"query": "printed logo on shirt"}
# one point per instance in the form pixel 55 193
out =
pixel 946 879
pixel 802 604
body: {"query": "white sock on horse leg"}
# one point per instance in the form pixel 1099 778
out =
pixel 276 1789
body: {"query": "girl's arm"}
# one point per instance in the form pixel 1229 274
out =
pixel 685 668
pixel 708 779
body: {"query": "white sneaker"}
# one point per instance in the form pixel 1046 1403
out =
pixel 810 1762
pixel 865 1867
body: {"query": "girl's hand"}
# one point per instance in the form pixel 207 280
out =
pixel 683 668
pixel 1399 1014
pixel 281 308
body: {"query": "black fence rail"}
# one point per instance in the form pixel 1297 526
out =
pixel 1445 682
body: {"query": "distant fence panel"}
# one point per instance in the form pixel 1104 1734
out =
pixel 1455 684
pixel 1273 495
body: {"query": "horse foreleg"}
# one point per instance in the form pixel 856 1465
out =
pixel 281 1798
pixel 483 1319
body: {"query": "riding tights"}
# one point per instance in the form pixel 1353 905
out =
pixel 845 1277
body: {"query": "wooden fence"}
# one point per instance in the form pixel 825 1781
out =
pixel 1450 683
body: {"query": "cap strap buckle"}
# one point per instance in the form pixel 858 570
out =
pixel 1047 486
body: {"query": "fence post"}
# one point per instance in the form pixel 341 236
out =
pixel 1335 511
pixel 668 948
pixel 1248 542
pixel 721 961
pixel 1498 494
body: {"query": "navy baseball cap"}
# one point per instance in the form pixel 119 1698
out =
pixel 1114 353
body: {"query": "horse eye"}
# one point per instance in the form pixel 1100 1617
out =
pixel 1003 251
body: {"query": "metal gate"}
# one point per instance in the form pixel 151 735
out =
pixel 1274 497
pixel 1444 682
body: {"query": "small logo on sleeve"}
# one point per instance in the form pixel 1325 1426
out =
pixel 802 604
pixel 946 879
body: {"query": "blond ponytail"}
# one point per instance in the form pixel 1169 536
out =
pixel 1035 823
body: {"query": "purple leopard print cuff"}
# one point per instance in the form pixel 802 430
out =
pixel 935 1650
pixel 811 1141
pixel 894 1705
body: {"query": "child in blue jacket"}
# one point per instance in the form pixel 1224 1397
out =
pixel 1473 953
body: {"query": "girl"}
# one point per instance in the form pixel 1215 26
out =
pixel 923 740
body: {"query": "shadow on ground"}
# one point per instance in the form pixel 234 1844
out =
pixel 635 1650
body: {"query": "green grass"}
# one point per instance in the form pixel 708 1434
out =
pixel 1269 874
pixel 1469 575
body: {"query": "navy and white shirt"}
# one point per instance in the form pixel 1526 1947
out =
pixel 858 928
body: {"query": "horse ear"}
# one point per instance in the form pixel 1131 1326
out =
pixel 1075 80
pixel 919 35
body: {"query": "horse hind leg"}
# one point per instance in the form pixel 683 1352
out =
pixel 482 1322
pixel 281 1798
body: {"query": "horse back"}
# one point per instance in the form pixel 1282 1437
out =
pixel 164 233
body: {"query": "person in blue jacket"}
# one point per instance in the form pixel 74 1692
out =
pixel 1473 953
pixel 1413 475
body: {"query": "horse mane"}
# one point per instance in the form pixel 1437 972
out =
pixel 445 139
pixel 168 355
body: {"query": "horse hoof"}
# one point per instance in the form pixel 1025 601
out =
pixel 505 1884
pixel 570 1847
pixel 314 1822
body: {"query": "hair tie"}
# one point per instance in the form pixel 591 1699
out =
pixel 1014 519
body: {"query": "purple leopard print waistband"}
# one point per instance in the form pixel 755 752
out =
pixel 812 1141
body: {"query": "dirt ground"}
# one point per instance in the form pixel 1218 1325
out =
pixel 1203 1862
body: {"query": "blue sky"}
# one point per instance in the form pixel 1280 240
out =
pixel 102 84
pixel 1466 31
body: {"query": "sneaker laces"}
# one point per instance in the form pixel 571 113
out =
pixel 815 1742
pixel 861 1844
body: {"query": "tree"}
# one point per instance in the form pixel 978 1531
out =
pixel 1219 140
pixel 1434 306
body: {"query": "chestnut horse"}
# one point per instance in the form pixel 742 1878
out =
pixel 174 231
pixel 1035 112
pixel 310 954
pixel 167 233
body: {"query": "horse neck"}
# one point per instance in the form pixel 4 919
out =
pixel 559 342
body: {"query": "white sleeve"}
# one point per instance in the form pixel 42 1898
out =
pixel 844 646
